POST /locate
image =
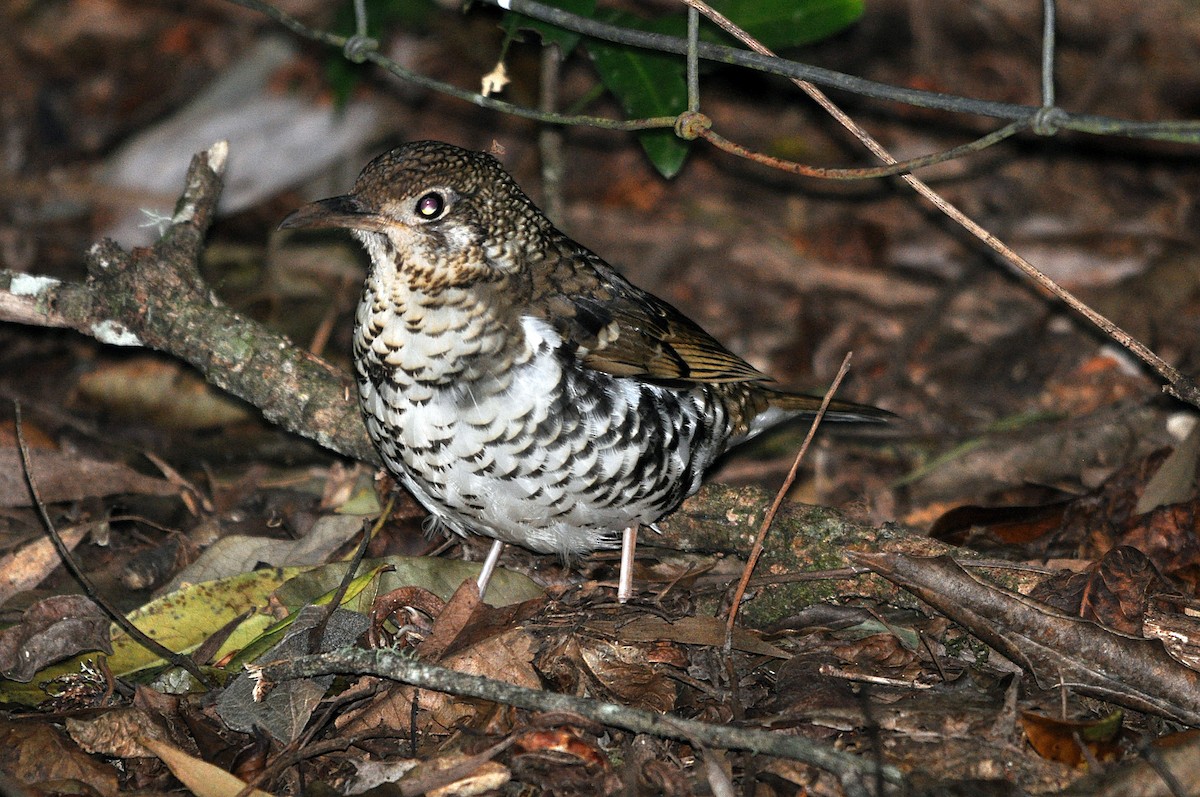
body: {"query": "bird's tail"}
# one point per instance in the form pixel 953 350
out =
pixel 796 405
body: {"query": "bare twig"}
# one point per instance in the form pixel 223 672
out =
pixel 698 125
pixel 853 772
pixel 1048 29
pixel 155 298
pixel 317 632
pixel 757 549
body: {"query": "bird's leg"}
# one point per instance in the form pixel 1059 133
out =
pixel 489 565
pixel 625 579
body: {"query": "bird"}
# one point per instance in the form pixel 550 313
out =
pixel 516 383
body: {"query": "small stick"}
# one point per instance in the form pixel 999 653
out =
pixel 852 772
pixel 317 632
pixel 757 549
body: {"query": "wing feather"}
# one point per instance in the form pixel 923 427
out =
pixel 625 331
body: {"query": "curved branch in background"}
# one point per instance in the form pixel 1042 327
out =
pixel 155 298
pixel 1177 385
pixel 1046 121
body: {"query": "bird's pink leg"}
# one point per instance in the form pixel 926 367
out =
pixel 625 579
pixel 489 565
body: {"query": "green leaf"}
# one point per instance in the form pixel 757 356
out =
pixel 551 34
pixel 789 23
pixel 439 576
pixel 666 150
pixel 180 620
pixel 646 85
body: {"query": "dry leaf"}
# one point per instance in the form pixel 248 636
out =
pixel 202 778
pixel 52 630
pixel 1059 739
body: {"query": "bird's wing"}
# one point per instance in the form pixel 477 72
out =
pixel 621 330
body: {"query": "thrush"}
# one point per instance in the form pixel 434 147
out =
pixel 514 382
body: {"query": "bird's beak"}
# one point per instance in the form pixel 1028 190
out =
pixel 337 212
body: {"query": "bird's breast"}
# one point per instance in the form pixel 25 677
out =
pixel 431 339
pixel 540 450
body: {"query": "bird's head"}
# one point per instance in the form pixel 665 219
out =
pixel 437 215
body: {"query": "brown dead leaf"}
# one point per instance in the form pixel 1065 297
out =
pixel 1108 518
pixel 562 741
pixel 469 622
pixel 1006 525
pixel 33 752
pixel 63 476
pixel 1167 535
pixel 504 657
pixel 450 621
pixel 608 670
pixel 1060 739
pixel 564 762
pixel 115 733
pixel 1097 519
pixel 876 652
pixel 694 630
pixel 52 630
pixel 1113 592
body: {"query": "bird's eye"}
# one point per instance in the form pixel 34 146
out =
pixel 431 205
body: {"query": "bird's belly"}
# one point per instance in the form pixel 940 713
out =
pixel 554 461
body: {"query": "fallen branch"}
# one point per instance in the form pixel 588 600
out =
pixel 155 298
pixel 856 774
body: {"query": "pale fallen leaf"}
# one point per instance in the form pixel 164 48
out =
pixel 202 778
